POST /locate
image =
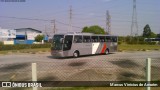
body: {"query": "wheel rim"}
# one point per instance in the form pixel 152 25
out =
pixel 107 52
pixel 75 54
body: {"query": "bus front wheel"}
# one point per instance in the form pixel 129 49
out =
pixel 75 54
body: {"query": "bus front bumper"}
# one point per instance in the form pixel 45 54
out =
pixel 57 53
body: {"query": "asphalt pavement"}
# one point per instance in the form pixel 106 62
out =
pixel 115 66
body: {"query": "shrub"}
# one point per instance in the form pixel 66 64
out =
pixel 151 43
pixel 1 43
pixel 119 42
pixel 39 38
pixel 24 46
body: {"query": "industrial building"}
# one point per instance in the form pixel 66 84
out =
pixel 26 35
pixel 19 36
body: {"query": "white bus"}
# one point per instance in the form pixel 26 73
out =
pixel 77 44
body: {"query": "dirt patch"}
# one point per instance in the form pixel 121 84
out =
pixel 127 76
pixel 91 75
pixel 75 64
pixel 125 63
pixel 11 67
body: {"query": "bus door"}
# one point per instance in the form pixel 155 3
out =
pixel 67 45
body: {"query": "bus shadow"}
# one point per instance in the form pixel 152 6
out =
pixel 82 56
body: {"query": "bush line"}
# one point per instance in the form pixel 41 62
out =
pixel 23 46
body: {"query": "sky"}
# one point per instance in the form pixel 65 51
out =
pixel 84 13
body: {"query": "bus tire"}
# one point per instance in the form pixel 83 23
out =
pixel 107 51
pixel 76 54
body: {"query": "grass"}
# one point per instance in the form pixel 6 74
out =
pixel 122 47
pixel 32 51
pixel 138 47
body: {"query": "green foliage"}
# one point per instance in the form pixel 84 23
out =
pixel 85 29
pixel 119 42
pixel 134 40
pixel 1 43
pixel 153 35
pixel 158 35
pixel 24 46
pixel 147 33
pixel 121 38
pixel 94 29
pixel 39 38
pixel 138 47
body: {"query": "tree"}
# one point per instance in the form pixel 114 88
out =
pixel 39 38
pixel 153 35
pixel 85 29
pixel 158 35
pixel 94 29
pixel 147 33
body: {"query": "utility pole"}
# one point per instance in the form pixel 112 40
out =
pixel 46 30
pixel 70 19
pixel 54 26
pixel 108 22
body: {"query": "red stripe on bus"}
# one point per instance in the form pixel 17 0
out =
pixel 104 48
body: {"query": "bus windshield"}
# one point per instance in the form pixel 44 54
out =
pixel 57 45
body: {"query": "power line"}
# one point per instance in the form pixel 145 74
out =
pixel 25 18
pixel 45 20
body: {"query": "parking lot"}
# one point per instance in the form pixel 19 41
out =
pixel 117 66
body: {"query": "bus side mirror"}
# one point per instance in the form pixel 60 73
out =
pixel 62 40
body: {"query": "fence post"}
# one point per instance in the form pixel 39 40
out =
pixel 148 72
pixel 34 74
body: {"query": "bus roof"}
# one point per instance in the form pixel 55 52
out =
pixel 79 33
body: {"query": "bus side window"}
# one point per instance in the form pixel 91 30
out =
pixel 78 39
pixel 101 38
pixel 94 38
pixel 86 39
pixel 108 39
pixel 114 39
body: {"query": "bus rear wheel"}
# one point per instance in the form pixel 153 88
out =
pixel 75 54
pixel 107 51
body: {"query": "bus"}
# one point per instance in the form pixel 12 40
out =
pixel 77 44
pixel 152 40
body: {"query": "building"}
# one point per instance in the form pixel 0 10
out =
pixel 26 35
pixel 7 35
pixel 20 36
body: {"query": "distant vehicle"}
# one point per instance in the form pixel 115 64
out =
pixel 152 40
pixel 77 44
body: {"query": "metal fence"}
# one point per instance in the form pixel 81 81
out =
pixel 129 69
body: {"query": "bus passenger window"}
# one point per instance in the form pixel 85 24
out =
pixel 86 39
pixel 114 39
pixel 94 38
pixel 108 39
pixel 101 38
pixel 78 39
